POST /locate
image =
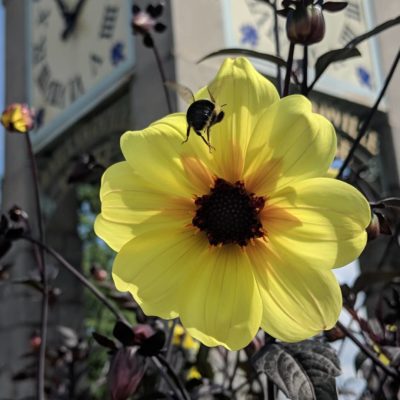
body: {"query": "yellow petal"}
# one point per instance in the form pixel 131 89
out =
pixel 129 207
pixel 158 156
pixel 318 223
pixel 290 143
pixel 246 94
pixel 222 305
pixel 297 302
pixel 114 234
pixel 154 266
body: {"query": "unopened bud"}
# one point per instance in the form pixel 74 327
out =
pixel 18 118
pixel 98 273
pixel 142 333
pixel 126 372
pixel 305 24
pixel 35 341
pixel 378 226
pixel 17 214
pixel 255 345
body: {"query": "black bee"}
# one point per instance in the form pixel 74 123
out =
pixel 201 115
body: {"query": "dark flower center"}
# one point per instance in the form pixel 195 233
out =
pixel 229 214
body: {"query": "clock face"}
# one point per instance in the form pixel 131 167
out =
pixel 80 50
pixel 250 23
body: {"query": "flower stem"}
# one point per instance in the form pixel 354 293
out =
pixel 43 275
pixel 305 71
pixel 235 368
pixel 288 70
pixel 270 389
pixel 168 343
pixel 174 377
pixel 162 74
pixel 367 121
pixel 167 378
pixel 368 352
pixel 79 276
pixel 277 46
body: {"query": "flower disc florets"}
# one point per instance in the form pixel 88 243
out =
pixel 229 214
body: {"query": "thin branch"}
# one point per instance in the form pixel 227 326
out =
pixel 305 71
pixel 367 121
pixel 79 276
pixel 288 70
pixel 235 368
pixel 40 390
pixel 167 378
pixel 367 351
pixel 174 376
pixel 168 343
pixel 270 389
pixel 277 46
pixel 163 77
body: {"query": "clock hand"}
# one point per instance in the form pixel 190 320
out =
pixel 62 7
pixel 71 21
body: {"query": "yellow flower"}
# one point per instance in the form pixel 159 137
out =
pixel 18 118
pixel 242 237
pixel 182 339
pixel 193 373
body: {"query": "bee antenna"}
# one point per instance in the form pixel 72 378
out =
pixel 223 105
pixel 211 96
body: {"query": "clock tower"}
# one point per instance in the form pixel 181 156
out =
pixel 89 79
pixel 80 52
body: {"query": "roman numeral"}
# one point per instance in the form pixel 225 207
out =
pixel 56 94
pixel 260 11
pixel 76 88
pixel 39 51
pixel 353 11
pixel 43 17
pixel 44 78
pixel 95 63
pixel 346 35
pixel 109 21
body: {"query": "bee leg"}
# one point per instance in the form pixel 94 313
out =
pixel 208 133
pixel 206 141
pixel 187 134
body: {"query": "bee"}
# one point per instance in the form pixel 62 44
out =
pixel 201 115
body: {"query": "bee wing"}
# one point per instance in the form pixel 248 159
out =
pixel 213 90
pixel 184 92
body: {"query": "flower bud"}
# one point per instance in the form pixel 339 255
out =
pixel 143 22
pixel 99 274
pixel 126 372
pixel 35 341
pixel 379 225
pixel 18 118
pixel 305 24
pixel 142 332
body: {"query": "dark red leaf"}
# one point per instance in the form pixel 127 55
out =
pixel 335 6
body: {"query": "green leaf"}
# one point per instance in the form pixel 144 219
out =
pixel 380 28
pixel 367 279
pixel 246 52
pixel 302 371
pixel 332 56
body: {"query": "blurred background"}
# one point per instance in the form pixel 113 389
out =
pixel 91 80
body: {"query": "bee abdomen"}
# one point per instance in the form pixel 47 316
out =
pixel 199 114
